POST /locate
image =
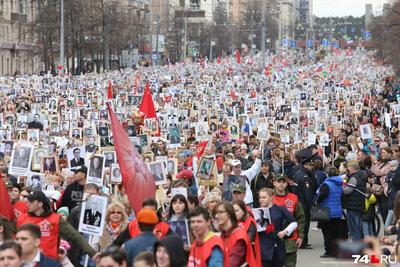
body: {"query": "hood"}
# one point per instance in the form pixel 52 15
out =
pixel 335 179
pixel 174 246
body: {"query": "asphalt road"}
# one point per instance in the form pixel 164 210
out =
pixel 311 257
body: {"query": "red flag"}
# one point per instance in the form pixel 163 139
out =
pixel 147 106
pixel 219 60
pixel 238 56
pixel 331 67
pixel 6 208
pixel 137 180
pixel 201 147
pixel 109 90
pixel 253 94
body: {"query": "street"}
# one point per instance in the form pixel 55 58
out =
pixel 311 257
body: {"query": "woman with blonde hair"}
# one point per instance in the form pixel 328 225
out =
pixel 116 222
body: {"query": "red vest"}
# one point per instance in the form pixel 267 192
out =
pixel 290 203
pixel 256 247
pixel 20 207
pixel 133 228
pixel 236 235
pixel 201 251
pixel 160 231
pixel 49 230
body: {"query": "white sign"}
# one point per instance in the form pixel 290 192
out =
pixel 366 132
pixel 92 216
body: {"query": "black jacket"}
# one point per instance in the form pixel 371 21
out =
pixel 260 182
pixel 356 201
pixel 306 187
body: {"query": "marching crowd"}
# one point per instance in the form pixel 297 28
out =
pixel 242 159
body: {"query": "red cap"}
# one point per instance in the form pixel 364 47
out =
pixel 184 174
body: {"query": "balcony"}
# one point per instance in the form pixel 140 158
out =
pixel 14 16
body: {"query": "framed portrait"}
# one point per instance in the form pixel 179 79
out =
pixel 38 155
pixel 262 217
pixel 205 168
pixel 158 171
pixel 172 167
pixel 144 141
pixel 181 228
pixel 110 158
pixel 21 159
pixel 174 137
pixel 64 127
pixel 201 130
pixel 262 132
pixel 50 164
pixel 92 217
pixel 35 180
pixel 76 157
pixel 115 174
pixel 22 121
pixel 96 170
pixel 33 135
pixel 229 181
pixel 103 131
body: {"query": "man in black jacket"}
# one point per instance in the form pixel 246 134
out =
pixel 265 179
pixel 354 200
pixel 305 186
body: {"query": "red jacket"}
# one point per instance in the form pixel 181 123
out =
pixel 290 202
pixel 256 245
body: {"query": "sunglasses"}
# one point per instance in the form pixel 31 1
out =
pixel 115 212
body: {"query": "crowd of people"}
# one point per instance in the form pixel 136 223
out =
pixel 243 158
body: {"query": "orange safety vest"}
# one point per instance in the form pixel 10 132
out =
pixel 200 251
pixel 290 203
pixel 256 246
pixel 20 207
pixel 49 229
pixel 236 235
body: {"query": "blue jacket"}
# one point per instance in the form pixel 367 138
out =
pixel 143 242
pixel 47 262
pixel 334 199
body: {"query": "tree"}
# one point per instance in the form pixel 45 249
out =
pixel 386 36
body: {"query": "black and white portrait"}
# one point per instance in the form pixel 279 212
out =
pixel 21 160
pixel 50 164
pixel 157 169
pixel 76 157
pixel 174 137
pixel 96 169
pixel 116 176
pixel 110 158
pixel 35 181
pixel 91 219
pixel 262 217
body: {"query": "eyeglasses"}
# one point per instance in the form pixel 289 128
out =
pixel 116 212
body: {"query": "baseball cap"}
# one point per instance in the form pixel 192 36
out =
pixel 235 162
pixel 238 188
pixel 280 177
pixel 37 195
pixel 184 174
pixel 147 216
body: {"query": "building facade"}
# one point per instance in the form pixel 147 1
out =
pixel 18 53
pixel 289 18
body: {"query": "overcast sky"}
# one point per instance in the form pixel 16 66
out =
pixel 326 8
